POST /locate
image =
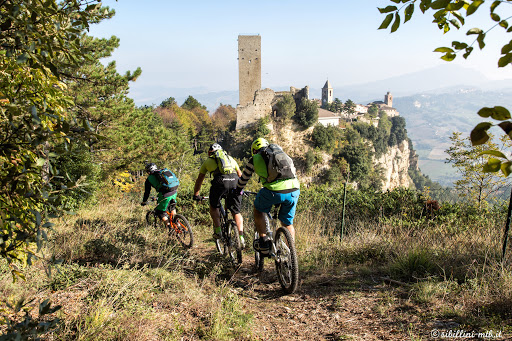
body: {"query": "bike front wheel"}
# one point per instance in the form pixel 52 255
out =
pixel 233 241
pixel 287 264
pixel 259 260
pixel 151 218
pixel 183 231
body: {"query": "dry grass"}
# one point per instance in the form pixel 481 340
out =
pixel 121 281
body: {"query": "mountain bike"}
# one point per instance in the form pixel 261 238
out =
pixel 229 241
pixel 178 227
pixel 282 251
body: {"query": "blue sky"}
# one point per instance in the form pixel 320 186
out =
pixel 189 44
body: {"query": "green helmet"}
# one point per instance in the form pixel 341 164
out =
pixel 258 144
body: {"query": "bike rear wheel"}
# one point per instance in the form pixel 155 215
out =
pixel 233 241
pixel 183 231
pixel 287 264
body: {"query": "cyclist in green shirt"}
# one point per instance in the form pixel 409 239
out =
pixel 280 191
pixel 223 183
pixel 166 196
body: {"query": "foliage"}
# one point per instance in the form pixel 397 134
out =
pixel 359 158
pixel 262 129
pixel 168 102
pixel 42 45
pixel 373 111
pixel 328 138
pixel 285 108
pixel 192 103
pixel 307 113
pixel 335 106
pixel 398 132
pixel 349 107
pixel 447 15
pixel 224 117
pixel 476 185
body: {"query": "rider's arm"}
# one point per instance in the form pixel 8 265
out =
pixel 246 174
pixel 199 182
pixel 147 190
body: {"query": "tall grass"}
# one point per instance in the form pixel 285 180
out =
pixel 121 280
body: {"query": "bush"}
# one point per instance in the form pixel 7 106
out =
pixel 307 113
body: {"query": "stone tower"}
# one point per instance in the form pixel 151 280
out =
pixel 327 94
pixel 388 99
pixel 249 68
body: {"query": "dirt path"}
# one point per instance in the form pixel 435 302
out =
pixel 329 305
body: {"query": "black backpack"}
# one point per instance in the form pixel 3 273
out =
pixel 279 164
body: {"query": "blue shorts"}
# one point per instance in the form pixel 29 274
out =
pixel 265 199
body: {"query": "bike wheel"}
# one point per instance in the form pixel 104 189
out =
pixel 218 242
pixel 151 218
pixel 287 264
pixel 233 241
pixel 183 231
pixel 259 260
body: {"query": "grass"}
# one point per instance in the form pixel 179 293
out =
pixel 120 280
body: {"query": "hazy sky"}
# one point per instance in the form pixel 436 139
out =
pixel 186 44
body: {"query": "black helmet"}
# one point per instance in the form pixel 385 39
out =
pixel 151 167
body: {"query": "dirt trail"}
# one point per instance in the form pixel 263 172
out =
pixel 332 305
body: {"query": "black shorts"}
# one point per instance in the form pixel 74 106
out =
pixel 223 186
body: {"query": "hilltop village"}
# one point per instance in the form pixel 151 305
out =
pixel 256 103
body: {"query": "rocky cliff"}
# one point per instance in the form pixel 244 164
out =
pixel 395 165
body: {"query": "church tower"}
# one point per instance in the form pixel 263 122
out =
pixel 388 99
pixel 249 68
pixel 327 95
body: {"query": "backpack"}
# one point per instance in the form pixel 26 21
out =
pixel 224 163
pixel 279 164
pixel 168 180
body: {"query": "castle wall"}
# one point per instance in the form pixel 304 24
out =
pixel 249 68
pixel 251 113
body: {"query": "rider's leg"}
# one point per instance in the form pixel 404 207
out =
pixel 215 214
pixel 239 220
pixel 259 222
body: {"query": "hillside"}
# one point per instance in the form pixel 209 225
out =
pixel 431 118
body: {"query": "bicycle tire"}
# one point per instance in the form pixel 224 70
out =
pixel 287 265
pixel 233 241
pixel 219 244
pixel 184 233
pixel 259 260
pixel 151 218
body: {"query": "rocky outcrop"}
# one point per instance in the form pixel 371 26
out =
pixel 395 166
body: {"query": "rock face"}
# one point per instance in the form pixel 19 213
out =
pixel 395 165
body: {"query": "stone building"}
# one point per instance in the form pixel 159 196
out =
pixel 249 67
pixel 327 94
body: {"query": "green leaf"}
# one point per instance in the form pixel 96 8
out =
pixel 438 4
pixel 386 21
pixel 474 30
pixel 449 57
pixel 469 49
pixel 459 17
pixel 474 7
pixel 504 24
pixel 495 17
pixel 507 128
pixel 501 113
pixel 409 10
pixel 506 48
pixel 387 9
pixel 22 58
pixel 40 162
pixel 494 153
pixel 505 60
pixel 492 166
pixel 396 23
pixel 443 49
pixel 455 23
pixel 458 45
pixel 494 5
pixel 479 134
pixel 506 168
pixel 480 40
